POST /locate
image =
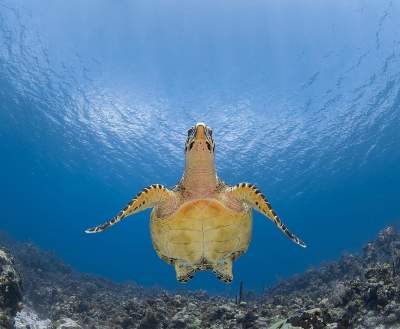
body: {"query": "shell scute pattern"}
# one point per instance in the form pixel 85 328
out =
pixel 201 231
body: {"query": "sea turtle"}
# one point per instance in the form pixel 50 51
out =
pixel 202 223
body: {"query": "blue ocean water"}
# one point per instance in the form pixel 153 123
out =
pixel 96 98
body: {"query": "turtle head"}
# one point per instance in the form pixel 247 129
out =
pixel 200 141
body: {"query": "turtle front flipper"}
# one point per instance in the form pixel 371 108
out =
pixel 252 196
pixel 149 197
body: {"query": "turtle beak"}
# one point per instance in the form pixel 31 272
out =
pixel 200 133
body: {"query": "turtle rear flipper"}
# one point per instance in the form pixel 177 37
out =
pixel 184 272
pixel 223 270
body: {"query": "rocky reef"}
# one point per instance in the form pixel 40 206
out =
pixel 358 291
pixel 10 290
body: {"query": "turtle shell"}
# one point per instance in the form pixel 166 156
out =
pixel 201 233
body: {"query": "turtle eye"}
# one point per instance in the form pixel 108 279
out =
pixel 209 133
pixel 190 131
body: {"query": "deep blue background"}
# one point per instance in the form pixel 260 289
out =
pixel 96 98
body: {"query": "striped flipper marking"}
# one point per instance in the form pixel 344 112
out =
pixel 252 195
pixel 147 198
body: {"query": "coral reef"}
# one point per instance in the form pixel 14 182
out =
pixel 358 291
pixel 10 290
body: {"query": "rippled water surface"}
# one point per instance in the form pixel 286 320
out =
pixel 96 98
